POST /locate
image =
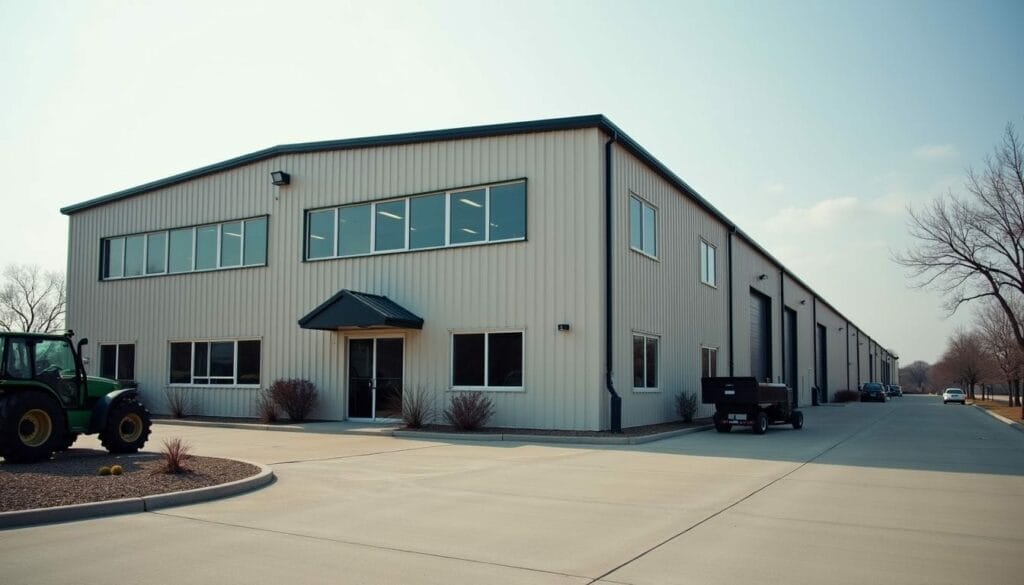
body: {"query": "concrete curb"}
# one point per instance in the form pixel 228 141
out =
pixel 265 427
pixel 1012 423
pixel 557 439
pixel 21 518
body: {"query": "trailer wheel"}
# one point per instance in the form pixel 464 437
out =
pixel 720 423
pixel 798 420
pixel 761 423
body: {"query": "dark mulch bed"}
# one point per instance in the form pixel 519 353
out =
pixel 627 432
pixel 72 477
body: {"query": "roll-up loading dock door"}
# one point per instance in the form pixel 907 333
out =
pixel 760 336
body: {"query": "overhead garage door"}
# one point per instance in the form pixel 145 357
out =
pixel 790 367
pixel 760 336
pixel 822 370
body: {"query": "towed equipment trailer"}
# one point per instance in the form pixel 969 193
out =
pixel 747 402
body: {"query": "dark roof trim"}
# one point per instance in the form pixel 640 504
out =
pixel 491 130
pixel 349 309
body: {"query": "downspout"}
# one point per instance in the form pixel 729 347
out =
pixel 782 322
pixel 857 349
pixel 815 399
pixel 732 360
pixel 848 364
pixel 615 401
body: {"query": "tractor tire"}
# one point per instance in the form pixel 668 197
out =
pixel 797 420
pixel 69 440
pixel 127 428
pixel 32 425
pixel 760 424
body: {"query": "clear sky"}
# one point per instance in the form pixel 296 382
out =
pixel 810 124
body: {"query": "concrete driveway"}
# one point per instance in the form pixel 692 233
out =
pixel 906 492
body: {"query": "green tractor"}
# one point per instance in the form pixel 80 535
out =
pixel 47 401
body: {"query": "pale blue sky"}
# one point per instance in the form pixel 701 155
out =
pixel 811 124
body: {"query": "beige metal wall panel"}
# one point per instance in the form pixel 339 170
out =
pixel 664 296
pixel 532 285
pixel 836 349
pixel 749 266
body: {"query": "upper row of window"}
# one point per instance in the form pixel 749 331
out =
pixel 494 213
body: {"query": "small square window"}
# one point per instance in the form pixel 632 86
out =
pixel 645 362
pixel 643 227
pixel 708 270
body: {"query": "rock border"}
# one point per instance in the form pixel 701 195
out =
pixel 37 516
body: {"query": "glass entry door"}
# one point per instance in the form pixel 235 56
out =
pixel 375 378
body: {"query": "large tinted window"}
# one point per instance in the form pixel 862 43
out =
pixel 426 221
pixel 222 360
pixel 468 360
pixel 255 242
pixel 181 363
pixel 390 228
pixel 467 216
pixel 156 253
pixel 134 253
pixel 354 230
pixel 113 255
pixel 248 362
pixel 206 247
pixel 108 361
pixel 231 244
pixel 181 250
pixel 320 241
pixel 508 211
pixel 505 359
pixel 221 363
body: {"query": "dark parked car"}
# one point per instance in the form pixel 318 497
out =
pixel 895 390
pixel 872 392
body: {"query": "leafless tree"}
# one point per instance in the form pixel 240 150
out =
pixel 915 375
pixel 996 335
pixel 966 361
pixel 971 246
pixel 31 299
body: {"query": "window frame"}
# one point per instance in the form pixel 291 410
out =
pixel 486 370
pixel 644 204
pixel 117 345
pixel 710 350
pixel 448 194
pixel 705 247
pixel 192 362
pixel 105 243
pixel 657 362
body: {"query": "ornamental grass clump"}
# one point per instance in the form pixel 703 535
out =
pixel 179 403
pixel 175 453
pixel 266 409
pixel 417 408
pixel 846 396
pixel 686 406
pixel 295 396
pixel 469 411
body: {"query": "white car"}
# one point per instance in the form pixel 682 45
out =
pixel 954 395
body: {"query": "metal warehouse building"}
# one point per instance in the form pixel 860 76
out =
pixel 555 265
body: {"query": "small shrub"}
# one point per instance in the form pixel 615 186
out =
pixel 296 397
pixel 116 470
pixel 179 403
pixel 175 453
pixel 105 470
pixel 417 407
pixel 686 406
pixel 469 411
pixel 846 396
pixel 266 409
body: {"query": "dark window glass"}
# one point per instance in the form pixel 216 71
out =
pixel 113 255
pixel 650 231
pixel 256 242
pixel 468 360
pixel 321 234
pixel 636 231
pixel 200 361
pixel 505 359
pixel 134 251
pixel 181 363
pixel 222 359
pixel 126 362
pixel 390 230
pixel 181 251
pixel 231 244
pixel 108 361
pixel 467 216
pixel 426 221
pixel 18 364
pixel 206 247
pixel 508 211
pixel 248 362
pixel 156 253
pixel 354 230
pixel 638 361
pixel 652 362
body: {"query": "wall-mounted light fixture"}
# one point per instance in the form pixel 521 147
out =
pixel 762 277
pixel 840 329
pixel 563 326
pixel 280 178
pixel 803 302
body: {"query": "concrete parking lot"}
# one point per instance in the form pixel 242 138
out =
pixel 906 492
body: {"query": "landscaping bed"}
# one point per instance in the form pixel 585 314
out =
pixel 71 477
pixel 627 432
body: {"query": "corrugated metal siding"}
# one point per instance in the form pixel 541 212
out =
pixel 665 297
pixel 748 267
pixel 800 301
pixel 531 285
pixel 837 334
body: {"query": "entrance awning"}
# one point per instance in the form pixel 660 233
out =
pixel 357 310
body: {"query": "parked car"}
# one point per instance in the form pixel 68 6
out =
pixel 894 390
pixel 954 395
pixel 872 392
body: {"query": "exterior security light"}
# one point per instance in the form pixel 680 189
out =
pixel 280 178
pixel 563 326
pixel 762 277
pixel 803 302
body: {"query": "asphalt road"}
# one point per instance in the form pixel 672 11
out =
pixel 906 492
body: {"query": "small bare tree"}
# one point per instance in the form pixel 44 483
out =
pixel 966 360
pixel 915 375
pixel 31 299
pixel 971 246
pixel 996 335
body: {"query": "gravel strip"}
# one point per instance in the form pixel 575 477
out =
pixel 72 478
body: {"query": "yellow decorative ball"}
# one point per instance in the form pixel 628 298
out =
pixel 105 470
pixel 116 470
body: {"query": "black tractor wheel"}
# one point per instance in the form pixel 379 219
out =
pixel 798 420
pixel 760 423
pixel 127 427
pixel 69 439
pixel 32 425
pixel 721 425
